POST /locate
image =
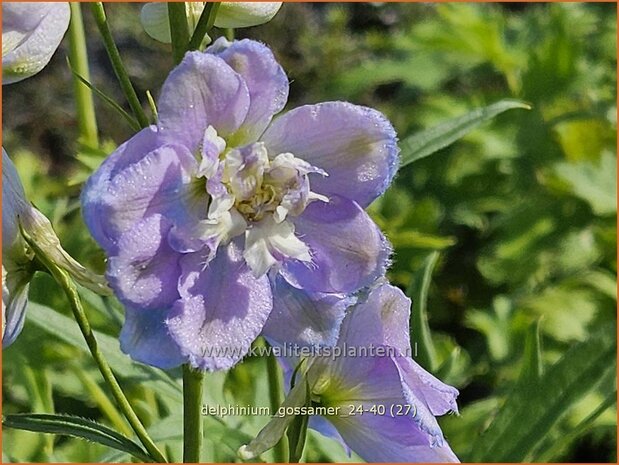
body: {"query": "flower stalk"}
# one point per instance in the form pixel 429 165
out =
pixel 70 290
pixel 117 64
pixel 179 30
pixel 205 23
pixel 87 121
pixel 193 380
pixel 276 397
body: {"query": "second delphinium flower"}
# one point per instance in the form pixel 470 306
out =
pixel 213 216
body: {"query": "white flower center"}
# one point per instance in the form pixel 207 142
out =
pixel 254 194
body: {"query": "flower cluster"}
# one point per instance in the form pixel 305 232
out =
pixel 222 223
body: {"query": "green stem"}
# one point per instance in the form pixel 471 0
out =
pixel 70 289
pixel 192 414
pixel 229 33
pixel 117 64
pixel 276 397
pixel 86 119
pixel 179 29
pixel 106 406
pixel 205 23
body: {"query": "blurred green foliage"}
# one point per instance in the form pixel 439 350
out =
pixel 517 221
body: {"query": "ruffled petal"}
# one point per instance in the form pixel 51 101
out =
pixel 390 435
pixel 202 91
pixel 265 78
pixel 222 310
pixel 146 338
pixel 382 319
pixel 139 179
pixel 31 33
pixel 302 318
pixel 356 146
pixel 347 248
pixel 378 438
pixel 438 396
pixel 146 270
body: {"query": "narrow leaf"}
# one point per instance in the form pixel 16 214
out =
pixel 565 441
pixel 421 340
pixel 115 106
pixel 76 427
pixel 297 432
pixel 431 140
pixel 531 410
pixel 532 367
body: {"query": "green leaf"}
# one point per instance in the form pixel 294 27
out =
pixel 431 140
pixel 418 291
pixel 297 431
pixel 564 441
pixel 532 368
pixel 110 101
pixel 532 409
pixel 595 183
pixel 67 330
pixel 76 427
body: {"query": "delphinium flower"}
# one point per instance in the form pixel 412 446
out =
pixel 215 214
pixel 31 33
pixel 17 259
pixel 154 16
pixel 382 403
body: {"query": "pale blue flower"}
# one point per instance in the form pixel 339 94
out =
pixel 217 214
pixel 383 403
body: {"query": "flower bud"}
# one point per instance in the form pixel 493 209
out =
pixel 17 257
pixel 154 16
pixel 31 33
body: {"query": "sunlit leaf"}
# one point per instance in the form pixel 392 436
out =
pixel 432 140
pixel 532 410
pixel 76 427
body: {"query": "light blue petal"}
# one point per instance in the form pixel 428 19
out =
pixel 15 286
pixel 380 435
pixel 381 319
pixel 223 308
pixel 265 78
pixel 145 271
pixel 347 248
pixel 203 90
pixel 356 146
pixel 438 396
pixel 141 178
pixel 303 318
pixel 146 338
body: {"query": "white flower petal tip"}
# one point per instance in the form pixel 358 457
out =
pixel 154 16
pixel 246 14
